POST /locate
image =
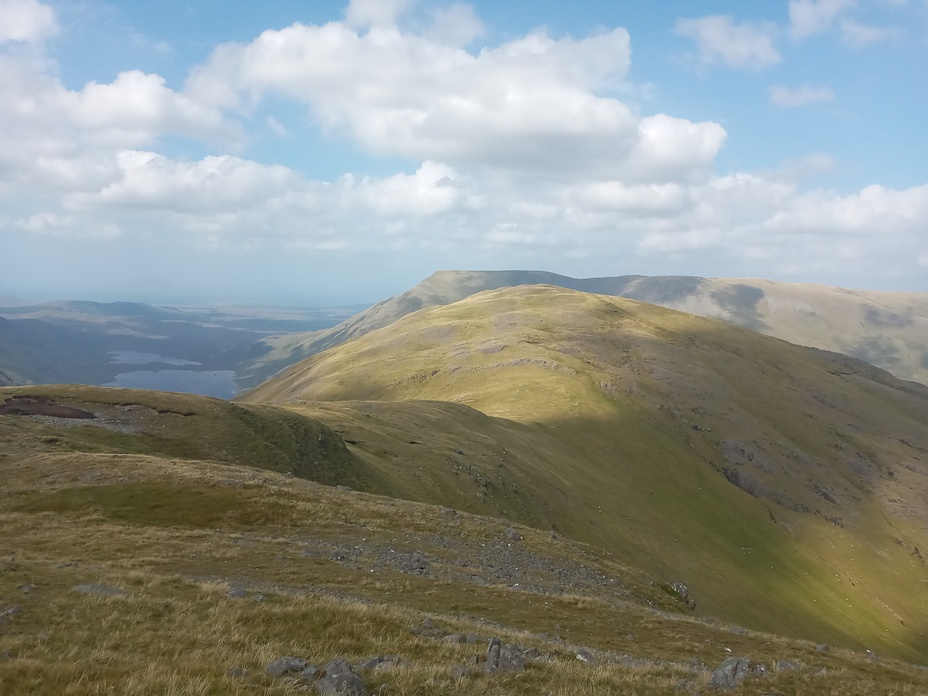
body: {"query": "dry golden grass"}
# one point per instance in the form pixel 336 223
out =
pixel 177 631
pixel 619 424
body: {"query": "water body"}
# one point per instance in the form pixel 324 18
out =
pixel 133 357
pixel 218 383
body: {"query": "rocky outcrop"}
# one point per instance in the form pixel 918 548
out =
pixel 730 673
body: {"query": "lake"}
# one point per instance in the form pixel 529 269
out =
pixel 218 383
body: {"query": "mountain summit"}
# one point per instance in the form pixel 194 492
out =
pixel 781 484
pixel 885 329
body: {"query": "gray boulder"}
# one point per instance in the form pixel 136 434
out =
pixel 285 665
pixel 493 650
pixel 310 673
pixel 505 658
pixel 730 673
pixel 584 655
pixel 511 659
pixel 344 684
pixel 337 667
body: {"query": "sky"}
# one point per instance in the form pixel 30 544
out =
pixel 313 152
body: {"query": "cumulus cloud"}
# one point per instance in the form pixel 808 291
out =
pixel 433 189
pixel 861 35
pixel 26 21
pixel 530 103
pixel 365 14
pixel 873 210
pixel 719 39
pixel 520 147
pixel 800 96
pixel 810 17
pixel 56 139
pixel 455 25
pixel 150 180
pixel 61 225
pixel 136 108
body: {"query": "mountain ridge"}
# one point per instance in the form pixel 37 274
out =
pixel 883 328
pixel 756 451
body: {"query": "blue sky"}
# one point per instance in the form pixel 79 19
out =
pixel 321 152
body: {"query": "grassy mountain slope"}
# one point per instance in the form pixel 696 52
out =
pixel 783 485
pixel 33 350
pixel 160 424
pixel 885 329
pixel 141 572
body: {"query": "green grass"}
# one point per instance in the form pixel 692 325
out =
pixel 185 426
pixel 177 632
pixel 155 504
pixel 585 428
pixel 636 467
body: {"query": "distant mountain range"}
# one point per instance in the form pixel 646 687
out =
pixel 74 341
pixel 886 329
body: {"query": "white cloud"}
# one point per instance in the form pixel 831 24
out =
pixel 58 224
pixel 454 25
pixel 213 184
pixel 363 14
pixel 26 20
pixel 738 45
pixel 671 148
pixel 434 188
pixel 861 35
pixel 279 129
pixel 527 104
pixel 875 210
pixel 518 148
pixel 54 139
pixel 136 108
pixel 811 17
pixel 635 201
pixel 800 96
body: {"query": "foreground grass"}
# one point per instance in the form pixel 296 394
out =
pixel 73 519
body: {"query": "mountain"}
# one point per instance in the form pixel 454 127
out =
pixel 885 329
pixel 170 543
pixel 783 485
pixel 32 350
pixel 77 341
